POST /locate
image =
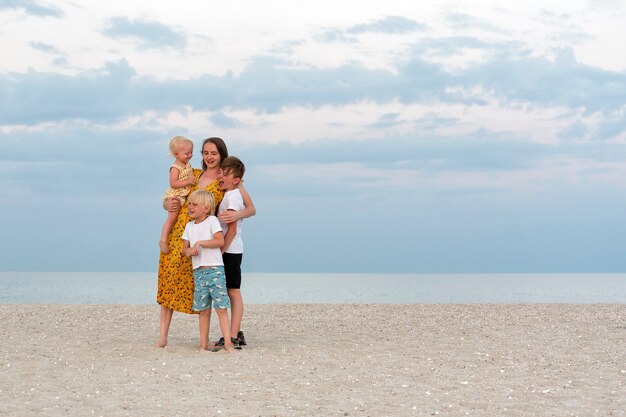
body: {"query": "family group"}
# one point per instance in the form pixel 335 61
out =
pixel 201 242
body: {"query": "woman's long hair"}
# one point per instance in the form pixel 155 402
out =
pixel 221 149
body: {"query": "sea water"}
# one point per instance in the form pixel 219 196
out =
pixel 325 288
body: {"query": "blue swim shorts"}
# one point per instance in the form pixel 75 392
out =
pixel 210 288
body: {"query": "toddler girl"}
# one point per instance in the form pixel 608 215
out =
pixel 181 179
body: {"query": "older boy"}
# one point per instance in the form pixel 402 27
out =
pixel 232 252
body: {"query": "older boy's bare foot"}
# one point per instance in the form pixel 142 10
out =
pixel 164 248
pixel 161 344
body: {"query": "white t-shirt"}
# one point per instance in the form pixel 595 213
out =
pixel 204 231
pixel 232 201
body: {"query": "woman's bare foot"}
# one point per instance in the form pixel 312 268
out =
pixel 164 248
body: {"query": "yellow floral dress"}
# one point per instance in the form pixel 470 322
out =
pixel 175 285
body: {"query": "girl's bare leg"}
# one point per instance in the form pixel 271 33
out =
pixel 165 231
pixel 164 328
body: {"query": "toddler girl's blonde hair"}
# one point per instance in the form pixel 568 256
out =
pixel 203 198
pixel 177 142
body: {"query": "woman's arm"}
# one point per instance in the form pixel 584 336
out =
pixel 171 204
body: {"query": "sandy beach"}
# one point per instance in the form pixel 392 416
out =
pixel 317 360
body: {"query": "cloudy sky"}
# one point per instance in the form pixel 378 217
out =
pixel 386 136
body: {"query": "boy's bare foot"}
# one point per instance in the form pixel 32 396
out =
pixel 164 248
pixel 209 346
pixel 161 344
pixel 229 347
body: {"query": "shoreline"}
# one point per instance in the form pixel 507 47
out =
pixel 347 288
pixel 318 359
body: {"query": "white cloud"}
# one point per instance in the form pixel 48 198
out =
pixel 147 33
pixel 486 105
pixel 32 7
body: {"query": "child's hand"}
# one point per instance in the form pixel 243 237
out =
pixel 192 180
pixel 195 249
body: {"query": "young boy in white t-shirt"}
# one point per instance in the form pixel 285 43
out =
pixel 232 252
pixel 202 240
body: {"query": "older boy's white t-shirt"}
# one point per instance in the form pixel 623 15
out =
pixel 204 231
pixel 232 201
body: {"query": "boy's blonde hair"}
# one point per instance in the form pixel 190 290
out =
pixel 233 165
pixel 203 198
pixel 177 142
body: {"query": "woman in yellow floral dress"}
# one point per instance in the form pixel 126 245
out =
pixel 175 285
